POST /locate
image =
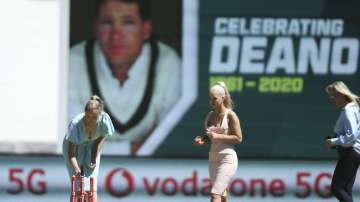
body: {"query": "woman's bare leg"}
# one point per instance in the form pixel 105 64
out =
pixel 215 198
pixel 224 196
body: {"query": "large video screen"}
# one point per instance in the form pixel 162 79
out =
pixel 276 58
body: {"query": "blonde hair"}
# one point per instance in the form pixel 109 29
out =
pixel 95 102
pixel 227 100
pixel 341 88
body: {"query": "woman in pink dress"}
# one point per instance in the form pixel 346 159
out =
pixel 222 127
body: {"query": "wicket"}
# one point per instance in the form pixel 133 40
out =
pixel 79 195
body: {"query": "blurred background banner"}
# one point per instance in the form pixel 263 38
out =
pixel 28 179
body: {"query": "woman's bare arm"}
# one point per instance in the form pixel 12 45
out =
pixel 72 158
pixel 97 148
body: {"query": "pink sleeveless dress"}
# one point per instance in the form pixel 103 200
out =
pixel 223 162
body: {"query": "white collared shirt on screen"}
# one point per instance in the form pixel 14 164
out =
pixel 124 100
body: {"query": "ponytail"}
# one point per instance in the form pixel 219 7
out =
pixel 227 101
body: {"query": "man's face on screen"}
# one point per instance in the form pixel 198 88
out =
pixel 121 32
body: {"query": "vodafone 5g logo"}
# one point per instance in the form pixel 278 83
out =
pixel 126 182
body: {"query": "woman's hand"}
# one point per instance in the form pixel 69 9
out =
pixel 77 171
pixel 329 144
pixel 92 165
pixel 210 132
pixel 216 129
pixel 198 141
